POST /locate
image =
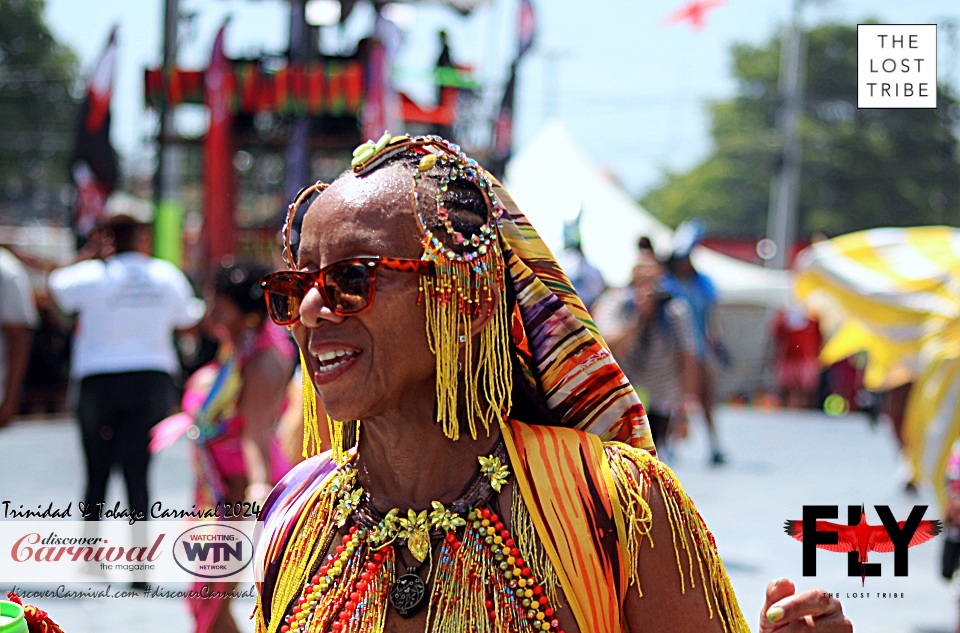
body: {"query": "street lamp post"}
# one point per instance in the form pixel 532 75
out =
pixel 785 189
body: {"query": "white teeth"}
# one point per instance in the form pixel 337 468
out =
pixel 327 368
pixel 334 358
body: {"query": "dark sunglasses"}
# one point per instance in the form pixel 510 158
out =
pixel 347 286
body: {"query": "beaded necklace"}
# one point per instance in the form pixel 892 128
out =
pixel 481 582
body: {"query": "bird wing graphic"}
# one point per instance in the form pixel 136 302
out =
pixel 881 541
pixel 846 536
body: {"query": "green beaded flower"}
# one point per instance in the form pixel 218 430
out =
pixel 348 503
pixel 343 480
pixel 444 519
pixel 386 530
pixel 493 470
pixel 416 530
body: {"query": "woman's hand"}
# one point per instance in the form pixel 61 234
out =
pixel 786 611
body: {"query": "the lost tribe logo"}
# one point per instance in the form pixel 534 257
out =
pixel 213 550
pixel 858 538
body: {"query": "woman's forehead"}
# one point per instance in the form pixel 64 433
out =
pixel 371 213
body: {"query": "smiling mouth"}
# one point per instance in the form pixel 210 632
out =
pixel 330 362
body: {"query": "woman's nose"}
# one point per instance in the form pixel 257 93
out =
pixel 314 309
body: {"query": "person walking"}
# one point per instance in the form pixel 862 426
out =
pixel 651 335
pixel 684 281
pixel 18 319
pixel 128 306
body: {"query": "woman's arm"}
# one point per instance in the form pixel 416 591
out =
pixel 265 378
pixel 680 585
pixel 669 603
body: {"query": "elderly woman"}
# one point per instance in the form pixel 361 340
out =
pixel 469 397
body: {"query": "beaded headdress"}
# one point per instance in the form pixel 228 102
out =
pixel 561 356
pixel 474 375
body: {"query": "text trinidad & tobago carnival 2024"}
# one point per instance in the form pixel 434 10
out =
pixel 240 510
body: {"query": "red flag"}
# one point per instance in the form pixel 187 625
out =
pixel 694 12
pixel 526 27
pixel 94 167
pixel 218 189
pixel 503 125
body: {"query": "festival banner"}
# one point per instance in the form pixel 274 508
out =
pixel 94 166
pixel 218 226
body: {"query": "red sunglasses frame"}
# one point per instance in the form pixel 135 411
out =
pixel 314 279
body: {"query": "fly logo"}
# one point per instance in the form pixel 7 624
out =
pixel 858 538
pixel 213 550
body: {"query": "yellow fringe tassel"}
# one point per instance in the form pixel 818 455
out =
pixel 312 439
pixel 462 585
pixel 688 531
pixel 307 547
pixel 451 298
pixel 531 549
pixel 312 442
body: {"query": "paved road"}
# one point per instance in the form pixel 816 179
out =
pixel 778 462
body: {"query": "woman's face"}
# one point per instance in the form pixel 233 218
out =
pixel 224 320
pixel 376 362
pixel 645 282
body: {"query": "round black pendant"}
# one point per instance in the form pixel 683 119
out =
pixel 407 594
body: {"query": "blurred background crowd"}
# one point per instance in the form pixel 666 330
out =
pixel 742 233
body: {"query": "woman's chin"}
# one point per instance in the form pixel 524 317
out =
pixel 337 408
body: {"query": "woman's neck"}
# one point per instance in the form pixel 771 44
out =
pixel 407 464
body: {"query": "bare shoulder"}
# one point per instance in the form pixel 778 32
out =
pixel 678 582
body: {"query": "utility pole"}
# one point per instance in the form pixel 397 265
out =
pixel 551 82
pixel 298 149
pixel 785 189
pixel 169 216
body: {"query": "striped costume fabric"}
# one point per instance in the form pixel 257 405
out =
pixel 573 504
pixel 895 294
pixel 567 485
pixel 563 354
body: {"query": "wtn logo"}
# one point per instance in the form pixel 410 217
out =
pixel 858 538
pixel 221 551
pixel 213 550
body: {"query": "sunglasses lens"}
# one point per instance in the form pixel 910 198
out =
pixel 348 287
pixel 284 294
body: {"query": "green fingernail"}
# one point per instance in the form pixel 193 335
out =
pixel 775 615
pixel 779 580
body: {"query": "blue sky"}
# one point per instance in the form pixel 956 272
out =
pixel 630 89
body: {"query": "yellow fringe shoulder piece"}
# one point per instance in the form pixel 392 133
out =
pixel 636 472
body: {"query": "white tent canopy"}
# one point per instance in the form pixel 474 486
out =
pixel 553 178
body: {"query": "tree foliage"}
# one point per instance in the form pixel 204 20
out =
pixel 37 112
pixel 860 168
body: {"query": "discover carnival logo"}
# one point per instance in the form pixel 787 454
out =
pixel 113 551
pixel 55 548
pixel 213 550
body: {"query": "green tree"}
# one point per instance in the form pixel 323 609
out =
pixel 37 113
pixel 860 168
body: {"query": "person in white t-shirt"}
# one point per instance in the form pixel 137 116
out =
pixel 18 319
pixel 128 307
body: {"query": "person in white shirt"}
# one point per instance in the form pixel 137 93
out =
pixel 128 307
pixel 18 319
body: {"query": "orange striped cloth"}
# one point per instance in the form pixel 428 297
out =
pixel 571 493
